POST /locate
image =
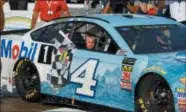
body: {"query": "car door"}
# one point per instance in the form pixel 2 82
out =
pixel 53 54
pixel 96 74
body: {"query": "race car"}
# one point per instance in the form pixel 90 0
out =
pixel 138 62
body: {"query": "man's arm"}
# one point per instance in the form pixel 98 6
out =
pixel 160 6
pixel 65 9
pixel 35 14
pixel 2 22
pixel 66 13
pixel 34 19
pixel 106 8
pixel 133 9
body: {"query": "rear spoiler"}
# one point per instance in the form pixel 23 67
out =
pixel 21 31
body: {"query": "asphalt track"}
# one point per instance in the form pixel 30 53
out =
pixel 19 105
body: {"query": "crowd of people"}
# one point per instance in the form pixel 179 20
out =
pixel 175 9
pixel 48 10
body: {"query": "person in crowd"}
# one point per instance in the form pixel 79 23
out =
pixel 2 18
pixel 106 8
pixel 135 7
pixel 156 7
pixel 151 7
pixel 113 6
pixel 177 9
pixel 90 41
pixel 18 4
pixel 48 10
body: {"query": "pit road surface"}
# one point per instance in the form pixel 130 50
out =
pixel 19 105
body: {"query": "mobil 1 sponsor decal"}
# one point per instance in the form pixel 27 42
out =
pixel 18 49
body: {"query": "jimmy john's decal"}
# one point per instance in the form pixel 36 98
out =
pixel 127 68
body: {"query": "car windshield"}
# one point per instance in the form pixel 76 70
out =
pixel 154 38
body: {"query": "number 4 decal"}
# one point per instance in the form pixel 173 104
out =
pixel 84 75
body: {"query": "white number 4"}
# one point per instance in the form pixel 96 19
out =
pixel 84 75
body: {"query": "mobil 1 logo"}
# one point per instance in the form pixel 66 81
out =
pixel 45 54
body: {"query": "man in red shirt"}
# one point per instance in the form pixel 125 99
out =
pixel 49 10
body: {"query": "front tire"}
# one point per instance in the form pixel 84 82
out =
pixel 27 81
pixel 154 95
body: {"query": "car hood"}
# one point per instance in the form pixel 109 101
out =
pixel 171 66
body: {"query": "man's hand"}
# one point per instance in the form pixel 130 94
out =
pixel 152 11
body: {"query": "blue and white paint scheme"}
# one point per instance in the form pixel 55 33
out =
pixel 96 77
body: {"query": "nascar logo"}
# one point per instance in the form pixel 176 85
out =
pixel 12 50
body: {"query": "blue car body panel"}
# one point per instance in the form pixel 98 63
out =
pixel 109 67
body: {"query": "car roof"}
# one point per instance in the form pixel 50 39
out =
pixel 117 20
pixel 133 19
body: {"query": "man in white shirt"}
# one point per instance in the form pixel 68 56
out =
pixel 177 9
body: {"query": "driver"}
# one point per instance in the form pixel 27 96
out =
pixel 90 41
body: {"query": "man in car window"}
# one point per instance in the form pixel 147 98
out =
pixel 90 41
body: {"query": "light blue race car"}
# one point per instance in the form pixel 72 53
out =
pixel 136 62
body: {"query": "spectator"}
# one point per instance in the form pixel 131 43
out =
pixel 106 8
pixel 155 7
pixel 177 9
pixel 147 7
pixel 113 6
pixel 18 4
pixel 49 10
pixel 2 22
pixel 90 41
pixel 134 7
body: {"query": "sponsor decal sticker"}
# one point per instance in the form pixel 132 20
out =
pixel 180 90
pixel 45 54
pixel 127 68
pixel 181 95
pixel 155 68
pixel 182 104
pixel 183 81
pixel 18 50
pixel 125 81
pixel 129 61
